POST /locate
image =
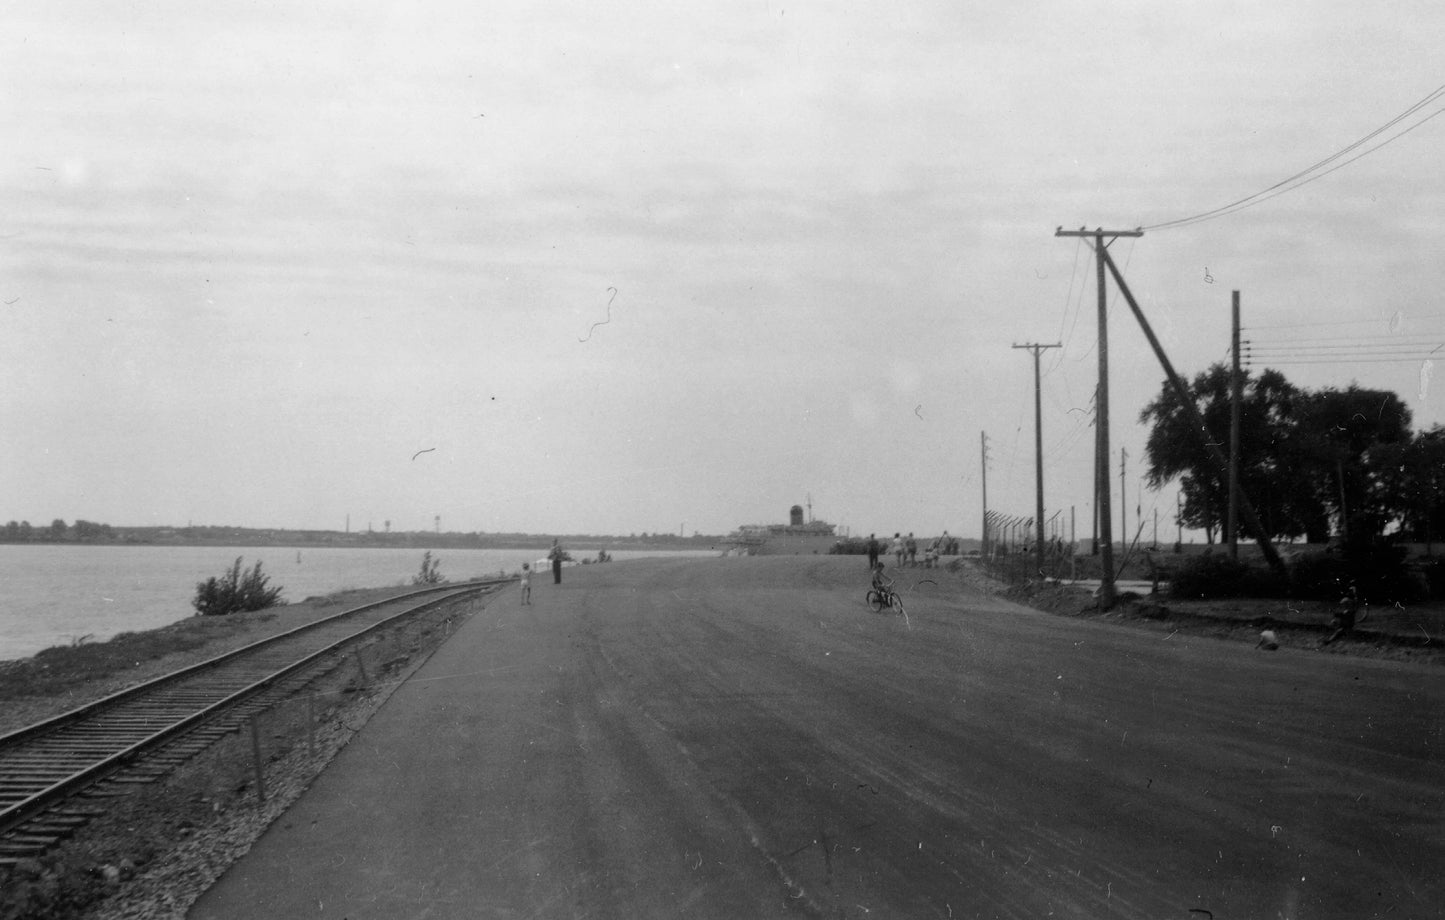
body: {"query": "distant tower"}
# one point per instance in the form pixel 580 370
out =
pixel 795 516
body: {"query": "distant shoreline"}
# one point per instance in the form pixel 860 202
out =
pixel 306 539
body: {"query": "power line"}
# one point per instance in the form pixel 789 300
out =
pixel 1069 294
pixel 1384 348
pixel 1336 359
pixel 1311 173
pixel 1360 340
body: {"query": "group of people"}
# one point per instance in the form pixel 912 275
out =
pixel 555 555
pixel 905 550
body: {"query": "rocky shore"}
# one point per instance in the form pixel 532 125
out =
pixel 157 849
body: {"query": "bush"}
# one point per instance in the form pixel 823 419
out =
pixel 1435 578
pixel 430 573
pixel 1211 575
pixel 234 592
pixel 1378 574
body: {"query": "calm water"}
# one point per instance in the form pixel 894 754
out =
pixel 55 595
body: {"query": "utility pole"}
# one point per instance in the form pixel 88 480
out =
pixel 1123 501
pixel 1038 349
pixel 1101 410
pixel 1179 521
pixel 1235 386
pixel 1246 510
pixel 1073 546
pixel 983 460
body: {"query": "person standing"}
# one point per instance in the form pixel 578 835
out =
pixel 912 546
pixel 556 554
pixel 526 584
pixel 872 551
pixel 896 548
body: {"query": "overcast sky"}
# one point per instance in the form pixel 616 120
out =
pixel 630 267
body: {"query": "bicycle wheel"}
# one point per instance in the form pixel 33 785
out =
pixel 876 601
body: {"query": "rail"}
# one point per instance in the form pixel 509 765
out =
pixel 47 762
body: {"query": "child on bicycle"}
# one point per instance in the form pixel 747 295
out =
pixel 881 583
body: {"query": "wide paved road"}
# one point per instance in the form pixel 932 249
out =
pixel 739 738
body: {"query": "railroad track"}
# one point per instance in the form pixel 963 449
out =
pixel 55 775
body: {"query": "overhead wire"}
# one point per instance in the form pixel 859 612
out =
pixel 1360 340
pixel 1373 349
pixel 1251 362
pixel 1316 171
pixel 1069 296
pixel 1380 348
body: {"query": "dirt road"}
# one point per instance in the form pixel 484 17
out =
pixel 742 738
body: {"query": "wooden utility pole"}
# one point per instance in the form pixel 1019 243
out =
pixel 1246 510
pixel 1038 349
pixel 1179 522
pixel 1101 410
pixel 1235 386
pixel 1123 501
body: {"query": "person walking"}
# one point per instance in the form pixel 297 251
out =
pixel 556 554
pixel 872 551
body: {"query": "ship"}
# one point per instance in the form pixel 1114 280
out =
pixel 795 538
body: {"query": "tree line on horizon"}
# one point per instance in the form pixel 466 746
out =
pixel 83 531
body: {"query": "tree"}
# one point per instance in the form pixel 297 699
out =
pixel 1286 507
pixel 57 529
pixel 1351 438
pixel 89 530
pixel 1411 480
pixel 430 573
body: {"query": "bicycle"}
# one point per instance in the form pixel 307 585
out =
pixel 877 599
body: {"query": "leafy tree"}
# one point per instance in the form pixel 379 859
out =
pixel 57 529
pixel 1285 505
pixel 1351 438
pixel 1411 480
pixel 430 573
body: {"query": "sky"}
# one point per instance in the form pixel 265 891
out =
pixel 612 268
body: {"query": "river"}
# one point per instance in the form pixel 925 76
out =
pixel 59 595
